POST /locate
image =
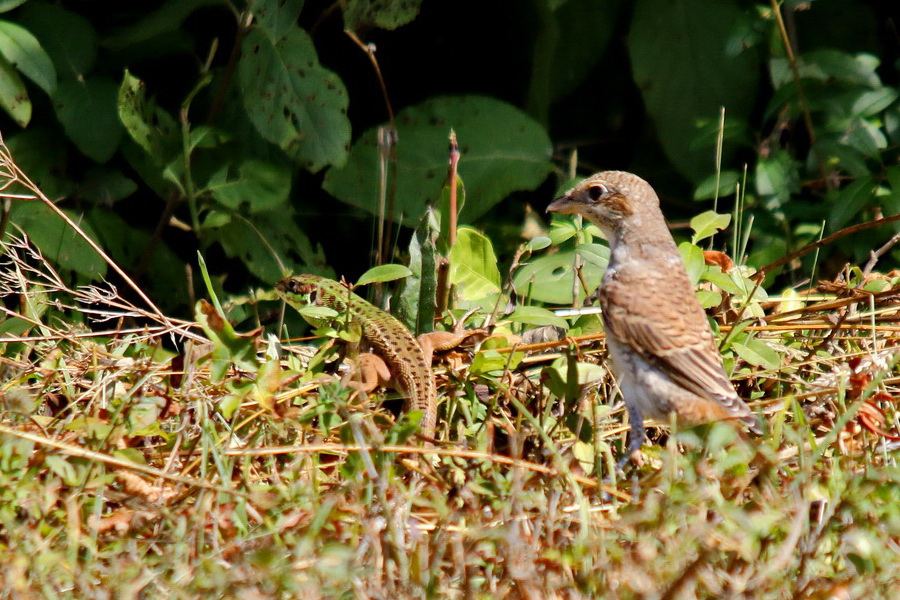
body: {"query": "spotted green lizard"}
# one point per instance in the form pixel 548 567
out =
pixel 390 340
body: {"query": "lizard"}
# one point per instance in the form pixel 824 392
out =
pixel 389 338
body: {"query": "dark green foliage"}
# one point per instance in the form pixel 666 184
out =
pixel 241 122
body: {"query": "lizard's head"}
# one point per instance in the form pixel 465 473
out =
pixel 299 290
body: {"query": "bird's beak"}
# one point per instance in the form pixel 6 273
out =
pixel 563 205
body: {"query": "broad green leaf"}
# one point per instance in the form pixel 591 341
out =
pixel 584 453
pixel 473 265
pixel 535 315
pixel 585 372
pixel 57 241
pixel 891 202
pixel 871 102
pixel 571 37
pixel 693 259
pixel 706 189
pixel 707 224
pixel 163 269
pixel 293 101
pixel 8 5
pixel 502 151
pixel 550 279
pixel 849 201
pixel 383 273
pixel 41 153
pixel 722 280
pixel 317 313
pixel 756 352
pixel 88 112
pixel 538 243
pixel 562 230
pixel 150 126
pixel 776 177
pixel 826 65
pixel 595 254
pixel 841 156
pixel 13 96
pixel 491 361
pixel 386 15
pixel 105 186
pixel 257 185
pixel 68 37
pixel 708 298
pixel 277 17
pixel 24 52
pixel 686 68
pixel 284 247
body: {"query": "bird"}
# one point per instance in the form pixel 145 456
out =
pixel 663 352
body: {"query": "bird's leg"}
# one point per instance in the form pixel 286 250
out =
pixel 636 437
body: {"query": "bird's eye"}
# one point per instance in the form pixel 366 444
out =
pixel 596 191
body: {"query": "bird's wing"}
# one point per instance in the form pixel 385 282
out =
pixel 663 323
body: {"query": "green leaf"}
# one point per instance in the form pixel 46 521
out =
pixel 595 254
pixel 292 101
pixel 105 186
pixel 537 244
pixel 502 151
pixel 706 225
pixel 258 186
pixel 283 248
pixel 416 303
pixel 277 17
pixel 535 315
pixel 8 5
pixel 317 314
pixel 706 189
pixel 585 372
pixel 693 259
pixel 561 230
pixel 756 352
pixel 163 269
pixel 383 273
pixel 686 68
pixel 723 281
pixel 61 467
pixel 68 38
pixel 57 241
pixel 41 153
pixel 150 126
pixel 229 347
pixel 550 279
pixel 776 177
pixel 574 39
pixel 491 361
pixel 835 65
pixel 849 201
pixel 386 14
pixel 13 96
pixel 871 102
pixel 87 110
pixel 23 51
pixel 708 298
pixel 473 265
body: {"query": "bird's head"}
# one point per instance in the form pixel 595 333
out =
pixel 607 199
